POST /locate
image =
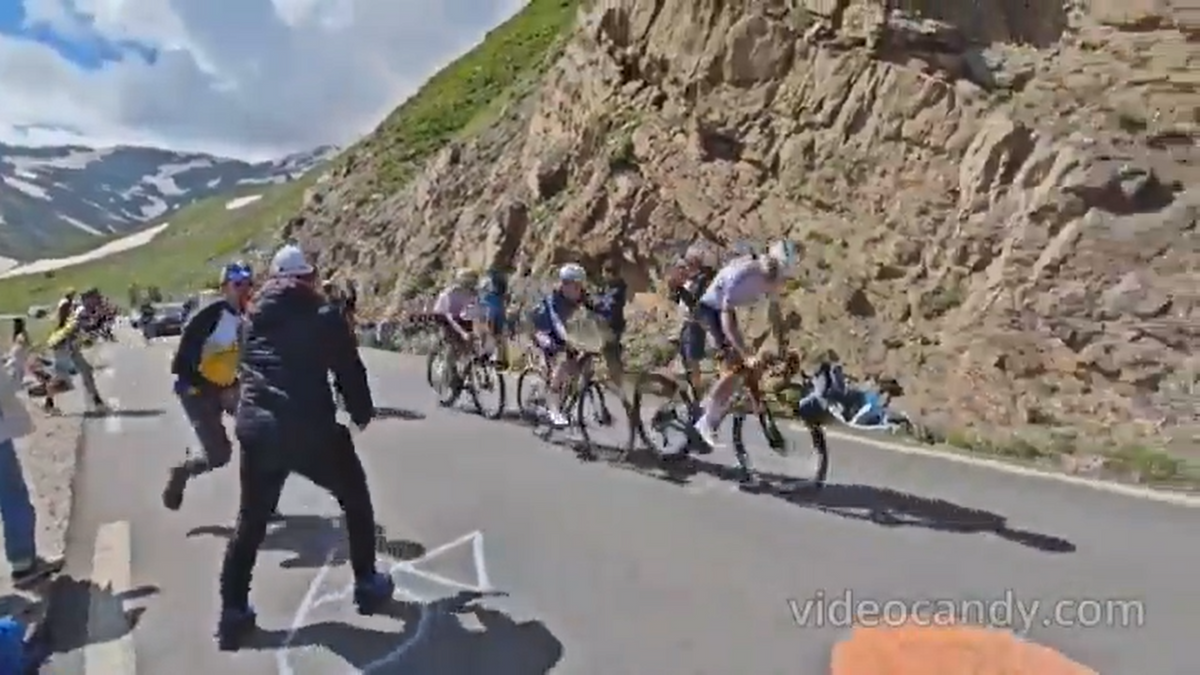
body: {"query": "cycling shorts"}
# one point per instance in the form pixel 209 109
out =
pixel 709 319
pixel 692 338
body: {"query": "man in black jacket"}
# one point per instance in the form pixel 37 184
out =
pixel 286 423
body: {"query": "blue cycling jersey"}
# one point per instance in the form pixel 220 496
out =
pixel 554 306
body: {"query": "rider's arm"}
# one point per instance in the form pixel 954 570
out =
pixel 729 326
pixel 556 322
pixel 444 307
pixel 186 363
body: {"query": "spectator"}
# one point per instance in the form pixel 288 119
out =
pixel 16 508
pixel 286 422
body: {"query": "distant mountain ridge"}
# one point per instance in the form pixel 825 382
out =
pixel 66 199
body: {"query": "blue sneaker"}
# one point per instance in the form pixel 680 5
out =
pixel 235 625
pixel 371 595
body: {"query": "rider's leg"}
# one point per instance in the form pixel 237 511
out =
pixel 691 352
pixel 716 401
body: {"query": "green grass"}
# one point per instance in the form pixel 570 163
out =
pixel 185 256
pixel 465 90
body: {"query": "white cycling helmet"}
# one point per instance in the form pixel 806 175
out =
pixel 572 272
pixel 466 277
pixel 785 254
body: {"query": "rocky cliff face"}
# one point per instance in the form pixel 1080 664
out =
pixel 999 199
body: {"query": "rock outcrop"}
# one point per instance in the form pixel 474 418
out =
pixel 999 200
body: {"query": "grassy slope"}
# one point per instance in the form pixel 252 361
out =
pixel 204 235
pixel 187 254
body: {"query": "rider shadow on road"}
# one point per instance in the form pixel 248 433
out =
pixel 885 507
pixel 73 617
pixel 310 538
pixel 437 644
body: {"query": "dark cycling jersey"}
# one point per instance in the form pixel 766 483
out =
pixel 689 290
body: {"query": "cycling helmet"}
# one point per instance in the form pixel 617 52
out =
pixel 785 255
pixel 466 277
pixel 572 272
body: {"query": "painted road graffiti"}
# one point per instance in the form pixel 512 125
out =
pixel 423 599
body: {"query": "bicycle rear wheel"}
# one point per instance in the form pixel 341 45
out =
pixel 486 380
pixel 671 412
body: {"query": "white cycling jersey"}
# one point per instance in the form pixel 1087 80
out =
pixel 456 302
pixel 741 282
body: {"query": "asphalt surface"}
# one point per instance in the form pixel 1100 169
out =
pixel 596 567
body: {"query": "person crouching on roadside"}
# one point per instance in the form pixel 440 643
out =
pixel 287 423
pixel 205 369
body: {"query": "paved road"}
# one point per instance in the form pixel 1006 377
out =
pixel 605 569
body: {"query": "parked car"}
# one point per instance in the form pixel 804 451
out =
pixel 168 320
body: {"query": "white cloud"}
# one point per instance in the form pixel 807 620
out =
pixel 250 78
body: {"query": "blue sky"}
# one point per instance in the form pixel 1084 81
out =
pixel 243 78
pixel 88 51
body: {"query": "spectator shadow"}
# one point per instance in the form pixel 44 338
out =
pixel 386 413
pixel 881 506
pixel 75 610
pixel 432 640
pixel 310 539
pixel 119 412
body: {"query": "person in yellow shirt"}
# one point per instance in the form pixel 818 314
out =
pixel 205 368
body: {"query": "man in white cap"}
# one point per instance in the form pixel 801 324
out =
pixel 286 423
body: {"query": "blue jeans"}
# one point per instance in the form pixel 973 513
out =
pixel 16 510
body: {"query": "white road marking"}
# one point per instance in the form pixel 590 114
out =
pixel 413 637
pixel 112 422
pixel 110 641
pixel 1134 491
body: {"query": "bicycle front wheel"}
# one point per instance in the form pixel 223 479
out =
pixel 532 390
pixel 439 371
pixel 487 386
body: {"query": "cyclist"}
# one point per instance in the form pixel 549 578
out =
pixel 689 279
pixel 493 297
pixel 742 282
pixel 548 320
pixel 455 308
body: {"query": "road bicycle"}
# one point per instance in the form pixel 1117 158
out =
pixel 585 403
pixel 751 399
pixel 476 373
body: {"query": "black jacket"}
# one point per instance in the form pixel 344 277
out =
pixel 291 341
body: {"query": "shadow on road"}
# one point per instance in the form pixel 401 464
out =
pixel 879 505
pixel 78 600
pixel 134 412
pixel 310 539
pixel 385 413
pixel 437 644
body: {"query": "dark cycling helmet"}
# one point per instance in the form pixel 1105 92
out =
pixel 92 292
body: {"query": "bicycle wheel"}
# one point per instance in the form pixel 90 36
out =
pixel 532 390
pixel 670 416
pixel 591 410
pixel 486 380
pixel 811 410
pixel 440 373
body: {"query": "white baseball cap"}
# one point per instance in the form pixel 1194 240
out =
pixel 290 261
